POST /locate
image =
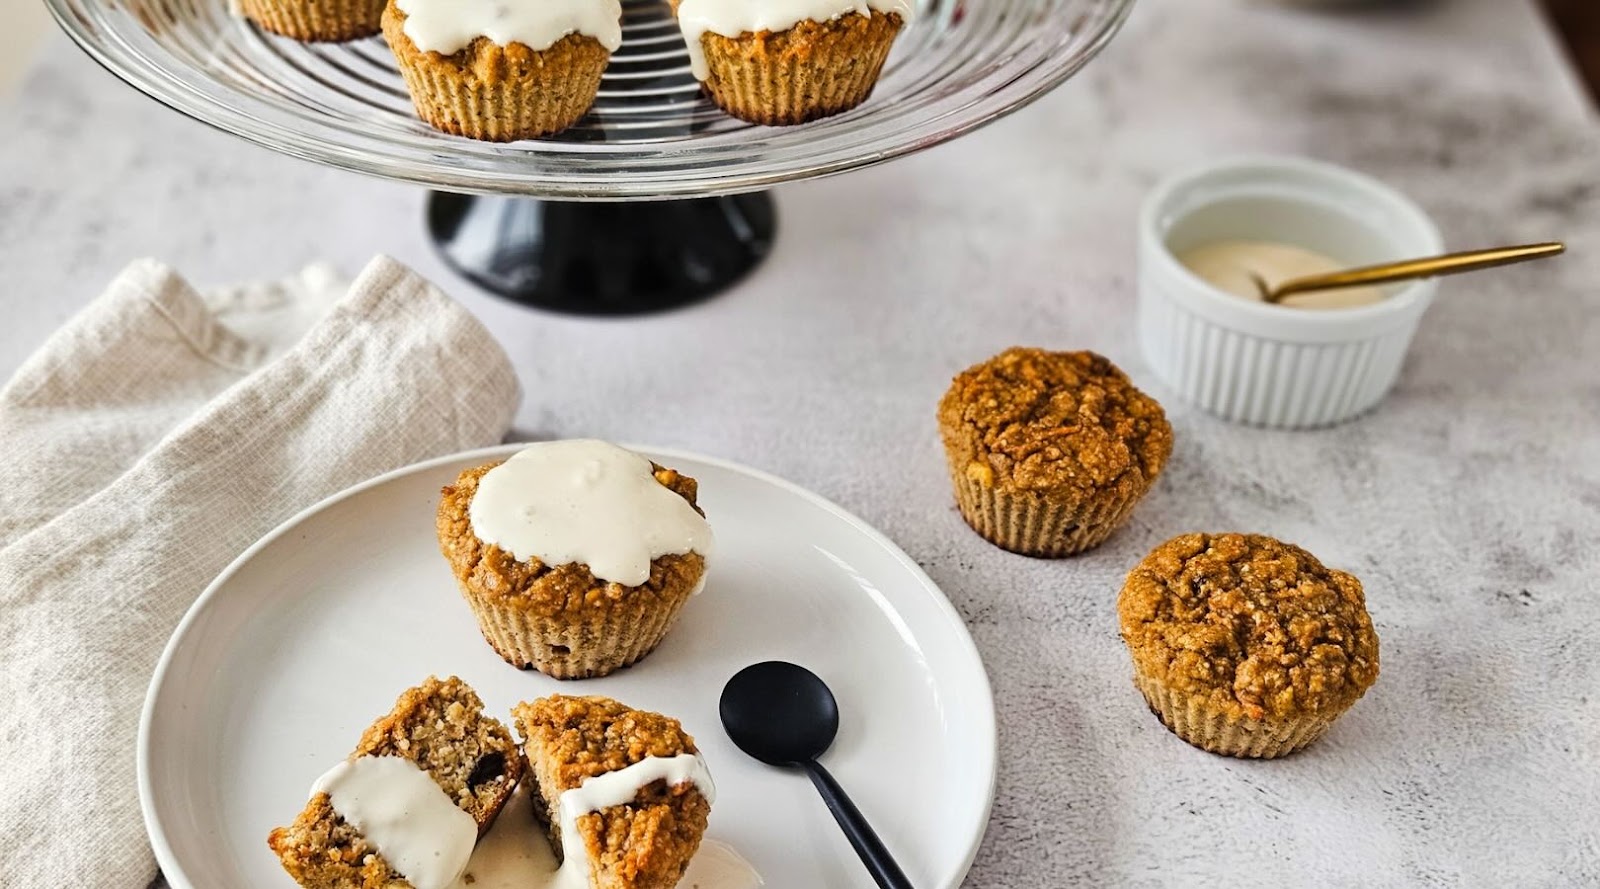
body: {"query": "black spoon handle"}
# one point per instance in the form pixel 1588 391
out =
pixel 877 859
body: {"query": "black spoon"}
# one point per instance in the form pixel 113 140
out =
pixel 783 715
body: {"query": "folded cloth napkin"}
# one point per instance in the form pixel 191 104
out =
pixel 146 445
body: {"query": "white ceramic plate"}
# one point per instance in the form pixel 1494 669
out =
pixel 313 632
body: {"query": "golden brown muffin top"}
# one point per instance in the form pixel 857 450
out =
pixel 493 572
pixel 594 735
pixel 1257 627
pixel 1065 423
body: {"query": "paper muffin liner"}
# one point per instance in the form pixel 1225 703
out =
pixel 316 20
pixel 1031 525
pixel 1189 717
pixel 785 88
pixel 583 646
pixel 525 102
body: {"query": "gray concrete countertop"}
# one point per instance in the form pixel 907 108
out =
pixel 1468 503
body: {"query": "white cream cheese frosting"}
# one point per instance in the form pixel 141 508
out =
pixel 586 501
pixel 718 865
pixel 599 792
pixel 1231 266
pixel 405 815
pixel 447 26
pixel 730 18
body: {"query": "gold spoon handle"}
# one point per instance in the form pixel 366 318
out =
pixel 1431 267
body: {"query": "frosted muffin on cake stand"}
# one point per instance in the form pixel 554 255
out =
pixel 656 198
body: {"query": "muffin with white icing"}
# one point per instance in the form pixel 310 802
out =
pixel 502 71
pixel 316 21
pixel 575 556
pixel 623 793
pixel 783 64
pixel 408 805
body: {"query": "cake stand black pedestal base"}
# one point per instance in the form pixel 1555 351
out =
pixel 591 258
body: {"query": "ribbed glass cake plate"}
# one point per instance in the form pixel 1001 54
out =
pixel 651 134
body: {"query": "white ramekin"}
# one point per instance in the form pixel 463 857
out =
pixel 1264 364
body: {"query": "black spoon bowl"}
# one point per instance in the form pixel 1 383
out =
pixel 785 715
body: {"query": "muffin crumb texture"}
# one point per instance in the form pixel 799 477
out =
pixel 441 727
pixel 1256 628
pixel 645 844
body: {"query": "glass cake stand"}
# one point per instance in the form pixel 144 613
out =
pixel 656 198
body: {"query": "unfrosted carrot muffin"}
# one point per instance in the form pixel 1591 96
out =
pixel 623 793
pixel 502 72
pixel 1244 645
pixel 1050 451
pixel 441 762
pixel 781 67
pixel 572 571
pixel 315 21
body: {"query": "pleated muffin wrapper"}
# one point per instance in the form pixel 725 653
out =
pixel 1031 525
pixel 510 93
pixel 836 71
pixel 316 21
pixel 583 646
pixel 1190 718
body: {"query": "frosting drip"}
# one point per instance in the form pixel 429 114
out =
pixel 616 788
pixel 515 854
pixel 405 815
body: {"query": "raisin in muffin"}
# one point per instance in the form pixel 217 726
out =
pixel 1050 451
pixel 440 726
pixel 1244 645
pixel 644 843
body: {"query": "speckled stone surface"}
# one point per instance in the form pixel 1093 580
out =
pixel 1468 503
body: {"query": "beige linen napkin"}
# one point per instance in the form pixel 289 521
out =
pixel 144 446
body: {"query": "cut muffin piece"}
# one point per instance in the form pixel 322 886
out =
pixel 577 611
pixel 440 728
pixel 629 783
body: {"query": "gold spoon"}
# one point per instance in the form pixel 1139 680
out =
pixel 1408 270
